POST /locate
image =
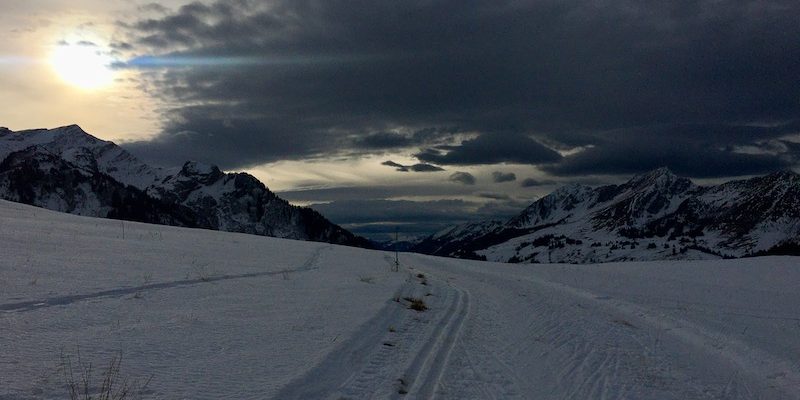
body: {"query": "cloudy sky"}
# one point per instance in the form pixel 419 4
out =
pixel 424 112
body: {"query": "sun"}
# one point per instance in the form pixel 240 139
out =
pixel 82 66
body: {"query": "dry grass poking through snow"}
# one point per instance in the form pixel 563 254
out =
pixel 416 304
pixel 112 386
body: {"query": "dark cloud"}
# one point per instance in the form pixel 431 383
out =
pixel 255 82
pixel 398 167
pixel 394 140
pixel 121 46
pixel 492 149
pixel 424 168
pixel 432 135
pixel 383 140
pixel 462 177
pixel 494 196
pixel 415 168
pixel 695 151
pixel 86 43
pixel 499 176
pixel 530 182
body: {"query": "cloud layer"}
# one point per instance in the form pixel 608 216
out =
pixel 616 87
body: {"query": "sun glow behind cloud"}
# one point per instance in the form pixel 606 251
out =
pixel 82 66
pixel 40 90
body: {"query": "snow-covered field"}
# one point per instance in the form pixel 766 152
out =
pixel 213 315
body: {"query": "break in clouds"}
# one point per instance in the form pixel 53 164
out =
pixel 573 87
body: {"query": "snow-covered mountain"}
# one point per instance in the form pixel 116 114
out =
pixel 457 240
pixel 653 216
pixel 66 169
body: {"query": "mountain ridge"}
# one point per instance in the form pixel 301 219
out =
pixel 653 216
pixel 66 169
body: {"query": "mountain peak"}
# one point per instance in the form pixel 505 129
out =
pixel 199 172
pixel 72 128
pixel 662 176
pixel 658 173
pixel 661 171
pixel 66 135
pixel 199 168
pixel 74 131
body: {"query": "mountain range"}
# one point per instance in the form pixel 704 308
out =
pixel 66 169
pixel 654 216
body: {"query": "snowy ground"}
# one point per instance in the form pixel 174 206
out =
pixel 215 315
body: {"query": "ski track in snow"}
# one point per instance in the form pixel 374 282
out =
pixel 337 326
pixel 599 347
pixel 308 265
pixel 401 353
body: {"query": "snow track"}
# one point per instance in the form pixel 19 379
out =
pixel 746 365
pixel 530 337
pixel 425 373
pixel 308 265
pixel 245 317
pixel 401 353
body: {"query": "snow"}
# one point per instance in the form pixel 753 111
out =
pixel 78 147
pixel 557 206
pixel 198 168
pixel 655 216
pixel 469 229
pixel 222 315
pixel 210 315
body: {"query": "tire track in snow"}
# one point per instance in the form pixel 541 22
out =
pixel 32 305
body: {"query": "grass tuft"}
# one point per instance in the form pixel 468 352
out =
pixel 112 385
pixel 416 304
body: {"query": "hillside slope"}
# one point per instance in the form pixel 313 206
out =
pixel 214 315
